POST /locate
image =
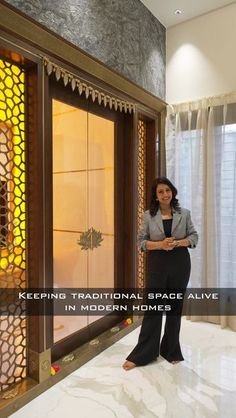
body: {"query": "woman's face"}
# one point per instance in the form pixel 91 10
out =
pixel 164 194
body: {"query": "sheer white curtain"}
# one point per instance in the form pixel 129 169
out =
pixel 201 162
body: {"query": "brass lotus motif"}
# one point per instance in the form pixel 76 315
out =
pixel 90 239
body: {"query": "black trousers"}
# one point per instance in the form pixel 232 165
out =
pixel 168 273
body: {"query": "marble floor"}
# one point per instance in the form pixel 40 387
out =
pixel 202 386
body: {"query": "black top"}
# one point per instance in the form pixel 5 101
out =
pixel 167 224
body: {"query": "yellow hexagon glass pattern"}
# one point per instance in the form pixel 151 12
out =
pixel 12 220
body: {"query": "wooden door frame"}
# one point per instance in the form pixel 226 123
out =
pixel 123 257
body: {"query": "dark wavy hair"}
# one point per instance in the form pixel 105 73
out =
pixel 154 204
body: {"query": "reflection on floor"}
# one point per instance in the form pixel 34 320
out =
pixel 204 385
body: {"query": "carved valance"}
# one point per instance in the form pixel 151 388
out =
pixel 86 88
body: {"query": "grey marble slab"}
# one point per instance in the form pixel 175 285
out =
pixel 122 34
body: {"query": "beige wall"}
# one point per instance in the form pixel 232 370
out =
pixel 201 58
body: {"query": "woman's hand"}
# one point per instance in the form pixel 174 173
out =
pixel 168 244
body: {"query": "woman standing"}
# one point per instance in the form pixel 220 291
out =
pixel 165 233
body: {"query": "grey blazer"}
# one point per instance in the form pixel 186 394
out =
pixel 151 228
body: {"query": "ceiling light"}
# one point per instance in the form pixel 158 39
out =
pixel 178 12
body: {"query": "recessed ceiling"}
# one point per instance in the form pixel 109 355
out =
pixel 164 10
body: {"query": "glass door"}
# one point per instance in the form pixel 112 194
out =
pixel 83 206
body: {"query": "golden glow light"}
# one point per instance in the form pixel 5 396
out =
pixel 12 162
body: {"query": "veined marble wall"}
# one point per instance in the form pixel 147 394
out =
pixel 123 34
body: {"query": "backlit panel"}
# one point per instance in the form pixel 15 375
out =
pixel 12 220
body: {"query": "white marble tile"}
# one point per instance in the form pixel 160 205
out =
pixel 202 386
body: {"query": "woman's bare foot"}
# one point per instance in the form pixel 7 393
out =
pixel 175 361
pixel 128 365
